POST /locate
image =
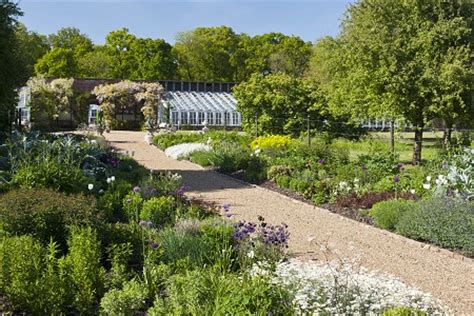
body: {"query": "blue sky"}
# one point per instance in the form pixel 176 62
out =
pixel 164 18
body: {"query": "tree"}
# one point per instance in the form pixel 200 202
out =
pixel 95 64
pixel 71 38
pixel 58 63
pixel 273 53
pixel 31 46
pixel 207 54
pixel 389 59
pixel 11 68
pixel 119 48
pixel 154 59
pixel 281 103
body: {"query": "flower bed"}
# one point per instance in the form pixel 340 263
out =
pixel 118 239
pixel 325 175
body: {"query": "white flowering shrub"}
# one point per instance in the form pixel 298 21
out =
pixel 459 180
pixel 340 288
pixel 183 150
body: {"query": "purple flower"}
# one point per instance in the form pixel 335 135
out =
pixel 129 200
pixel 228 215
pixel 143 223
pixel 396 179
pixel 321 161
pixel 226 207
pixel 181 190
pixel 154 245
pixel 137 189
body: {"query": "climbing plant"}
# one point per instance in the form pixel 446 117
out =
pixel 126 95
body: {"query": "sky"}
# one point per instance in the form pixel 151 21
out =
pixel 309 19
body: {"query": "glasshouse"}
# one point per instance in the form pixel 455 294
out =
pixel 202 108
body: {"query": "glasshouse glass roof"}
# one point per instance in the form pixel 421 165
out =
pixel 193 101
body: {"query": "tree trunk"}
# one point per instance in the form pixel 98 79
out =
pixel 392 136
pixel 417 145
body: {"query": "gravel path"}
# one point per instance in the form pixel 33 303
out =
pixel 448 276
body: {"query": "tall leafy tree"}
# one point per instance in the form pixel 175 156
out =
pixel 207 54
pixel 31 47
pixel 71 38
pixel 119 48
pixel 11 67
pixel 273 53
pixel 280 102
pixel 139 58
pixel 95 64
pixel 153 59
pixel 58 63
pixel 390 59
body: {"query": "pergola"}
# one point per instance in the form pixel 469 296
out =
pixel 203 108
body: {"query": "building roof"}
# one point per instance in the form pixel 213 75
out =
pixel 183 101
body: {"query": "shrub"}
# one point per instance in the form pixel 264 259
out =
pixel 386 214
pixel 38 284
pixel 84 271
pixel 271 142
pixel 277 171
pixel 198 246
pixel 211 292
pixel 442 221
pixel 159 210
pixel 121 233
pixel 45 213
pixel 367 200
pixel 183 248
pixel 21 266
pixel 283 181
pixel 64 177
pixel 112 199
pixel 229 158
pixel 127 301
pixel 201 157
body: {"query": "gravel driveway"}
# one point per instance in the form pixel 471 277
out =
pixel 446 275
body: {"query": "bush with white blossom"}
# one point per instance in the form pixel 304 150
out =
pixel 459 180
pixel 341 288
pixel 183 150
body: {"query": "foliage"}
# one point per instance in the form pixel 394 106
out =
pixel 10 76
pixel 57 63
pixel 442 221
pixel 216 138
pixel 209 291
pixel 32 46
pixel 273 53
pixel 387 214
pixel 85 274
pixel 71 38
pixel 159 210
pixel 46 214
pixel 192 244
pixel 127 301
pixel 459 180
pixel 400 60
pixel 207 54
pixel 281 103
pixel 133 58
